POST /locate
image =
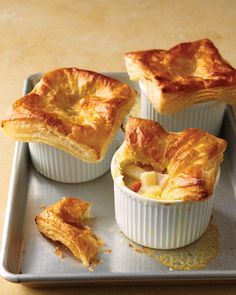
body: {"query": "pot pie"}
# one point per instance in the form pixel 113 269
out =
pixel 186 74
pixel 75 110
pixel 165 165
pixel 63 222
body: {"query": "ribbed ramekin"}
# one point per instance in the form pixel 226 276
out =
pixel 60 166
pixel 207 116
pixel 159 224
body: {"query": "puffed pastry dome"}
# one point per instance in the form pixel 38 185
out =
pixel 188 73
pixel 75 110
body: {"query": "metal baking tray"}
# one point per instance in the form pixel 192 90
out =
pixel 28 258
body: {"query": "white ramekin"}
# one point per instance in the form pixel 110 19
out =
pixel 207 116
pixel 60 166
pixel 159 224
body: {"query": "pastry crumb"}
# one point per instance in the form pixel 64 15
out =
pixel 107 251
pixel 95 261
pixel 59 253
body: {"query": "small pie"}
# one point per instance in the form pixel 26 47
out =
pixel 187 163
pixel 188 73
pixel 77 111
pixel 63 222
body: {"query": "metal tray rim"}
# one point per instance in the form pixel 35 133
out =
pixel 9 211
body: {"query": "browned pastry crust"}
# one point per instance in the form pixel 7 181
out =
pixel 75 110
pixel 63 222
pixel 191 157
pixel 188 73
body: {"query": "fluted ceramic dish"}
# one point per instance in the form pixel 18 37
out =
pixel 60 166
pixel 158 223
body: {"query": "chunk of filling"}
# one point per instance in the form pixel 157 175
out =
pixel 145 180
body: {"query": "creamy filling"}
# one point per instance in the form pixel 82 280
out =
pixel 149 184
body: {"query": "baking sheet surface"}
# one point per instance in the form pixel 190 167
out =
pixel 28 257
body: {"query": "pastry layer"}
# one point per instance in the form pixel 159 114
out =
pixel 188 73
pixel 63 222
pixel 75 110
pixel 191 158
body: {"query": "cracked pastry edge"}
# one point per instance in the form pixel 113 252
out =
pixel 187 182
pixel 63 222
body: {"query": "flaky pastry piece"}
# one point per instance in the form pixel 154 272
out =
pixel 63 222
pixel 191 158
pixel 188 73
pixel 75 110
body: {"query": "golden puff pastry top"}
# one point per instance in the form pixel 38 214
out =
pixel 188 73
pixel 191 158
pixel 75 110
